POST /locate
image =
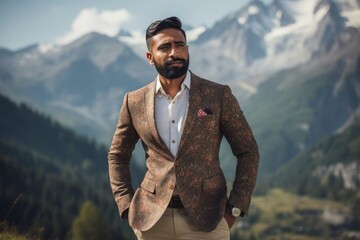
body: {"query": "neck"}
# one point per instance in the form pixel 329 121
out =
pixel 171 86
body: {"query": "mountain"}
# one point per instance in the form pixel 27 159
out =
pixel 74 82
pixel 47 172
pixel 242 32
pixel 328 170
pixel 294 65
pixel 305 85
pixel 261 39
pixel 297 107
pixel 281 59
pixel 331 24
pixel 247 46
pixel 348 5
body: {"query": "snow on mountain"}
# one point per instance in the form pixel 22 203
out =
pixel 299 10
pixel 315 23
pixel 261 39
pixel 255 17
pixel 136 39
pixel 48 48
pixel 348 5
pixel 279 14
pixel 243 49
pixel 85 79
pixel 194 33
pixel 350 10
pixel 353 18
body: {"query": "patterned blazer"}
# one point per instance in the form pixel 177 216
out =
pixel 213 112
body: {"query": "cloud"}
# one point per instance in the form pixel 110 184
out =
pixel 88 20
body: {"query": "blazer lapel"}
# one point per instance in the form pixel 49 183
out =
pixel 195 98
pixel 149 98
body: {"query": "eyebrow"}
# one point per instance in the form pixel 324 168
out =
pixel 169 43
pixel 182 42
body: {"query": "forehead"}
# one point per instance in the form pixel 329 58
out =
pixel 168 35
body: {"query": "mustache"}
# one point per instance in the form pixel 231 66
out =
pixel 173 60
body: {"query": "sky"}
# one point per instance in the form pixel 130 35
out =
pixel 26 22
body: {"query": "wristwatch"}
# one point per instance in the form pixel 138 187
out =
pixel 236 212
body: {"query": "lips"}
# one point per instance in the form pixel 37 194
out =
pixel 175 62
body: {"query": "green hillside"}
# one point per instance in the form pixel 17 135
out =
pixel 287 216
pixel 47 172
pixel 296 108
pixel 329 170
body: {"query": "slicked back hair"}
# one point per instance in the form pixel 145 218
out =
pixel 159 25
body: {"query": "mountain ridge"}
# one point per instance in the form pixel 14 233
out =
pixel 295 108
pixel 82 88
pixel 333 159
pixel 54 80
pixel 279 44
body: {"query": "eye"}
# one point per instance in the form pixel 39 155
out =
pixel 181 44
pixel 164 47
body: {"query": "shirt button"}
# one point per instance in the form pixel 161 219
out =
pixel 173 141
pixel 173 121
pixel 171 187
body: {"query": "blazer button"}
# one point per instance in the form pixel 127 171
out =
pixel 171 187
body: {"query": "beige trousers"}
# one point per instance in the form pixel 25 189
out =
pixel 176 224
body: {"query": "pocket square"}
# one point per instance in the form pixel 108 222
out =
pixel 204 112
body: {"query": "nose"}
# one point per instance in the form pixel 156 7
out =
pixel 173 52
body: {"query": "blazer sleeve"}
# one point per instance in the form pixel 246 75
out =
pixel 244 147
pixel 119 156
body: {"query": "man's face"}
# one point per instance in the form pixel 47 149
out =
pixel 169 53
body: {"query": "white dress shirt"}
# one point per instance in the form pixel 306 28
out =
pixel 170 113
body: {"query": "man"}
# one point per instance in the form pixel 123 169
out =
pixel 181 119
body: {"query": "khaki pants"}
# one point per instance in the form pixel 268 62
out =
pixel 175 224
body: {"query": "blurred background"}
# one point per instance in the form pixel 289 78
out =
pixel 294 66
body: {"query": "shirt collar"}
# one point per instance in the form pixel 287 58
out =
pixel 186 83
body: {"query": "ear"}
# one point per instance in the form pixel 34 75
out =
pixel 149 57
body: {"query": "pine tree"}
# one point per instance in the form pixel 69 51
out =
pixel 89 224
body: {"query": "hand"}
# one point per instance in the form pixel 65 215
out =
pixel 125 214
pixel 230 219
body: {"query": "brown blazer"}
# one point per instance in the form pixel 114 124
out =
pixel 196 168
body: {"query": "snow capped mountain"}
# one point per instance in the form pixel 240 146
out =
pixel 280 14
pixel 348 5
pixel 259 40
pixel 330 24
pixel 75 81
pixel 136 39
pixel 194 33
pixel 238 38
pixel 255 17
pixel 294 10
pixel 243 49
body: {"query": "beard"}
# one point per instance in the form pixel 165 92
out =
pixel 172 72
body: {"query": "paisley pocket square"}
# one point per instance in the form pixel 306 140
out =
pixel 204 112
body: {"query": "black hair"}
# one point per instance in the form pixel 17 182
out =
pixel 159 25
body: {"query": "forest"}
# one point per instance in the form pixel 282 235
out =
pixel 47 174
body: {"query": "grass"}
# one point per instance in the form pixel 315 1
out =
pixel 11 236
pixel 283 215
pixel 11 233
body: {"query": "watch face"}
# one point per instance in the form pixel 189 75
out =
pixel 235 212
